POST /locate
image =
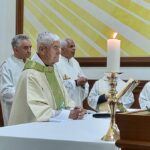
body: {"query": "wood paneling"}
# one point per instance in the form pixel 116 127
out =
pixel 125 61
pixel 136 93
pixel 19 16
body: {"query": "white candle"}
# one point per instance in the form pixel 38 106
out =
pixel 113 55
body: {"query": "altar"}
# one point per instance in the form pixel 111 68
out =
pixel 83 134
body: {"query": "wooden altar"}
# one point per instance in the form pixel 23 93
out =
pixel 134 130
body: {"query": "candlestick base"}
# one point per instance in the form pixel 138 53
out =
pixel 112 134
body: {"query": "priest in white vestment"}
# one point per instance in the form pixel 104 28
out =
pixel 10 71
pixel 70 71
pixel 40 94
pixel 98 96
pixel 144 98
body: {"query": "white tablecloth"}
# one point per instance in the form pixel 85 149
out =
pixel 66 135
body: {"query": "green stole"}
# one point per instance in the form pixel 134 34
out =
pixel 52 80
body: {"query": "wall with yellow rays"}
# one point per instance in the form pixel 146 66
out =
pixel 91 22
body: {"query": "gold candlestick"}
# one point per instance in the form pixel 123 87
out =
pixel 113 131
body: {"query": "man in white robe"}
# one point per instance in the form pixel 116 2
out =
pixel 98 96
pixel 144 98
pixel 40 94
pixel 70 71
pixel 10 71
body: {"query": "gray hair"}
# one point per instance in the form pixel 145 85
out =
pixel 65 42
pixel 46 38
pixel 17 39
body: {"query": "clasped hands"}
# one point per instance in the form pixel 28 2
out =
pixel 81 81
pixel 77 113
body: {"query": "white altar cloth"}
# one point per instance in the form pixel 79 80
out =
pixel 66 135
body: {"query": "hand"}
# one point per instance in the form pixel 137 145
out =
pixel 81 81
pixel 77 113
pixel 107 96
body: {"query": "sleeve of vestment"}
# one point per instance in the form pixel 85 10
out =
pixel 144 98
pixel 94 95
pixel 69 84
pixel 127 100
pixel 85 89
pixel 7 88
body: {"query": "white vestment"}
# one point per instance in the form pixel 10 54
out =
pixel 69 71
pixel 10 72
pixel 101 87
pixel 34 99
pixel 144 98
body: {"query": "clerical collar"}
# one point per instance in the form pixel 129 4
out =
pixel 47 65
pixel 18 59
pixel 35 65
pixel 66 59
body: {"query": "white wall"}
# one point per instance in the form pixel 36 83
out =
pixel 7 27
pixel 138 73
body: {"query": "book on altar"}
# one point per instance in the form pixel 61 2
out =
pixel 129 87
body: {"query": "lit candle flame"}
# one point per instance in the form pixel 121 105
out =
pixel 115 34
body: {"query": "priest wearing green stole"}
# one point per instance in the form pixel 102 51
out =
pixel 40 94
